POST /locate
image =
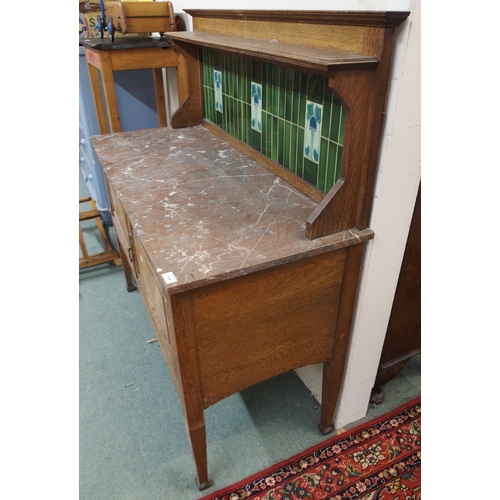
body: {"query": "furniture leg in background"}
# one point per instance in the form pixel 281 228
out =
pixel 109 255
pixel 402 340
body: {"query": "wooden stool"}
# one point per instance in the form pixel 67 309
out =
pixel 109 255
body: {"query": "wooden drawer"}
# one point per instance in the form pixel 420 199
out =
pixel 123 230
pixel 159 308
pixel 278 319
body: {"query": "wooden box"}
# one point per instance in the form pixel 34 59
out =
pixel 141 17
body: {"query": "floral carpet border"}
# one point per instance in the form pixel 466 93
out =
pixel 377 460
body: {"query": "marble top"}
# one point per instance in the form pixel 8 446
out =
pixel 125 42
pixel 203 210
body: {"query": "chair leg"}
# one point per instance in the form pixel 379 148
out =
pixel 109 255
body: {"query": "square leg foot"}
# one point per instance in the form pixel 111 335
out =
pixel 204 484
pixel 325 430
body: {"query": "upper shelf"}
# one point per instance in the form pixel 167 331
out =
pixel 376 19
pixel 312 58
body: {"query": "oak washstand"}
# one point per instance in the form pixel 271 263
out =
pixel 244 229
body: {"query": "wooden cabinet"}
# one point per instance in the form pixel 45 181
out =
pixel 402 340
pixel 247 270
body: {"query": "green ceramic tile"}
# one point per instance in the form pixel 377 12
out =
pixel 206 105
pixel 284 95
pixel 286 145
pixel 230 121
pixel 245 124
pixel 274 138
pixel 256 140
pixel 281 141
pixel 310 171
pixel 335 121
pixel 301 115
pixel 338 168
pixel 256 72
pixel 264 134
pixel 341 132
pixel 321 182
pixel 300 152
pixel 288 93
pixel 247 82
pixel 316 88
pixel 293 148
pixel 281 92
pixel 327 115
pixel 235 118
pixel 241 121
pixel 331 177
pixel 267 89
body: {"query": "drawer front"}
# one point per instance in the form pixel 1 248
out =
pixel 123 230
pixel 120 218
pixel 159 309
pixel 150 288
pixel 266 323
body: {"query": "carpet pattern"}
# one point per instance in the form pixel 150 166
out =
pixel 377 460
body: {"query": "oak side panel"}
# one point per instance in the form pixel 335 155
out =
pixel 254 327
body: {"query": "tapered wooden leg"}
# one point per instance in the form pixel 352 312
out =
pixel 98 99
pixel 328 400
pixel 190 387
pixel 195 426
pixel 108 85
pixel 333 373
pixel 160 97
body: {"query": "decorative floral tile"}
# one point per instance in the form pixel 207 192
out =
pixel 256 114
pixel 312 133
pixel 287 115
pixel 218 90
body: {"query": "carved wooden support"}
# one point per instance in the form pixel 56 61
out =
pixel 363 95
pixel 338 210
pixel 189 112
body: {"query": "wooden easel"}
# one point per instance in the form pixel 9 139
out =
pixel 109 255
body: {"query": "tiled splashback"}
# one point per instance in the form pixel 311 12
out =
pixel 290 116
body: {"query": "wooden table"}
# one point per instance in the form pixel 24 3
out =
pixel 235 290
pixel 247 271
pixel 126 53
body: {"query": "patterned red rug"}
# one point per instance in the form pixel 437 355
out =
pixel 378 460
